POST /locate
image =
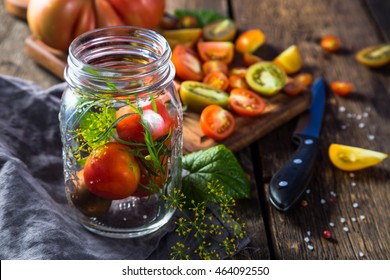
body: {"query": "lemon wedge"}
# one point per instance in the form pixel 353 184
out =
pixel 290 60
pixel 350 158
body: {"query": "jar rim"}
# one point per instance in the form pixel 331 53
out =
pixel 152 67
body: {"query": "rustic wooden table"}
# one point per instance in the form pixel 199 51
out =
pixel 360 119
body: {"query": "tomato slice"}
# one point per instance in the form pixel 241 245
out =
pixel 130 128
pixel 250 59
pixel 293 87
pixel 341 87
pixel 246 103
pixel 187 37
pixel 350 158
pixel 331 43
pixel 198 95
pixel 265 78
pixel 236 81
pixel 238 71
pixel 112 172
pixel 187 64
pixel 217 79
pixel 304 78
pixel 222 51
pixel 374 56
pixel 249 41
pixel 216 122
pixel 220 30
pixel 215 65
pixel 290 60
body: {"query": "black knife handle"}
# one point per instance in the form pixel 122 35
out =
pixel 290 182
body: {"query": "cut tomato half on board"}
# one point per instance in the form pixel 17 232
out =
pixel 350 158
pixel 222 51
pixel 187 64
pixel 374 56
pixel 217 79
pixel 290 60
pixel 187 36
pixel 246 103
pixel 266 78
pixel 216 122
pixel 220 30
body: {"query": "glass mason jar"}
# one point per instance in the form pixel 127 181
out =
pixel 121 129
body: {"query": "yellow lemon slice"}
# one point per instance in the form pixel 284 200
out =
pixel 350 158
pixel 290 60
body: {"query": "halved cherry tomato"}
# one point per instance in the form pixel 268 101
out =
pixel 222 51
pixel 266 78
pixel 290 60
pixel 341 87
pixel 246 103
pixel 304 78
pixel 250 40
pixel 236 81
pixel 331 43
pixel 374 56
pixel 250 59
pixel 187 64
pixel 350 158
pixel 238 71
pixel 216 122
pixel 112 172
pixel 293 87
pixel 130 128
pixel 188 22
pixel 215 65
pixel 217 79
pixel 220 30
pixel 187 37
pixel 198 95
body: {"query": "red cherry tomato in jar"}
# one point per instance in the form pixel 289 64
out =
pixel 187 64
pixel 130 128
pixel 331 43
pixel 216 122
pixel 341 87
pixel 246 103
pixel 112 172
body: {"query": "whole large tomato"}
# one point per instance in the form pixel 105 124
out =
pixel 58 22
pixel 112 172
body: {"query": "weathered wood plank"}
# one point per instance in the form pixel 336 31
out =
pixel 303 22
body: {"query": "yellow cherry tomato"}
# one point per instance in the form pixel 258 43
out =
pixel 350 158
pixel 290 60
pixel 250 40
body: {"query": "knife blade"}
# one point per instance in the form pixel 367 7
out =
pixel 290 182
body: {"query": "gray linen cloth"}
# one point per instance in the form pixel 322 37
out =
pixel 35 219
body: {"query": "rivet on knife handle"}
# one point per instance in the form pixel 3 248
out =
pixel 290 182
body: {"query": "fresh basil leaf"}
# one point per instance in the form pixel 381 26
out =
pixel 204 17
pixel 216 163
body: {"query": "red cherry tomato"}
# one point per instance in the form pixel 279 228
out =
pixel 216 122
pixel 187 64
pixel 246 103
pixel 112 172
pixel 217 79
pixel 331 43
pixel 341 87
pixel 222 51
pixel 293 87
pixel 130 128
pixel 236 81
pixel 304 78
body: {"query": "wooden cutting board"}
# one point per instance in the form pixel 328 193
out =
pixel 17 7
pixel 280 108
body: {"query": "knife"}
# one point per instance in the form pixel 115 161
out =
pixel 290 182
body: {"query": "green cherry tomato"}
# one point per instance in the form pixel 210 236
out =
pixel 374 56
pixel 265 78
pixel 198 95
pixel 220 30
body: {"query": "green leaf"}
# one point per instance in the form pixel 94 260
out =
pixel 216 163
pixel 204 17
